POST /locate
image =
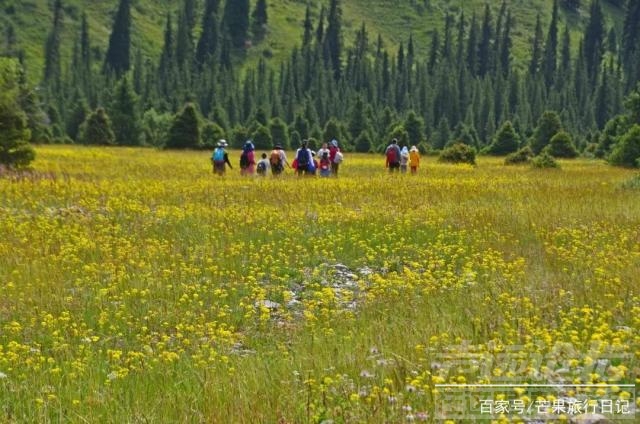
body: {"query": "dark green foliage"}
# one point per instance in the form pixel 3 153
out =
pixel 400 133
pixel 279 132
pixel 259 19
pixel 523 155
pixel 626 152
pixel 549 61
pixel 414 125
pixel 331 131
pixel 262 138
pixel 239 135
pixel 594 39
pixel 506 140
pixel 211 133
pixel 363 142
pixel 458 153
pixel 561 146
pixel 544 160
pixel 97 129
pixel 124 114
pixel 333 38
pixel 52 73
pixel 548 126
pixel 185 130
pixel 236 21
pixel 77 116
pixel 155 128
pixel 15 150
pixel 118 57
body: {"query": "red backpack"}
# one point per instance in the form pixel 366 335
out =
pixel 392 155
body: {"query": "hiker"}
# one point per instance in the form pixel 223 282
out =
pixel 277 160
pixel 393 156
pixel 263 166
pixel 404 159
pixel 220 158
pixel 247 159
pixel 324 164
pixel 335 157
pixel 414 159
pixel 303 159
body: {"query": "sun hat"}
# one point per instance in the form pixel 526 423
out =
pixel 414 149
pixel 222 143
pixel 334 142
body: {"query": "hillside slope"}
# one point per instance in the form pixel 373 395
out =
pixel 395 20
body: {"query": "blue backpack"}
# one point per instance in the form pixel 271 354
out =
pixel 218 155
pixel 303 158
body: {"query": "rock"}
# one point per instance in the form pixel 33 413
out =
pixel 269 304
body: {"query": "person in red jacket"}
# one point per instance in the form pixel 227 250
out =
pixel 335 157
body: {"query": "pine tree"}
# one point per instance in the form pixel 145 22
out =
pixel 15 150
pixel 630 42
pixel 97 129
pixel 52 73
pixel 124 114
pixel 505 141
pixel 184 41
pixel 485 56
pixel 236 21
pixel 208 41
pixel 184 132
pixel 472 46
pixel 259 20
pixel 414 125
pixel 308 28
pixel 505 46
pixel 333 38
pixel 549 61
pixel 117 59
pixel 536 50
pixel 594 40
pixel 548 126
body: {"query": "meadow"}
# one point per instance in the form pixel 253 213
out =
pixel 136 286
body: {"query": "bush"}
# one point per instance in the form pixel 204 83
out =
pixel 363 142
pixel 211 133
pixel 626 152
pixel 544 160
pixel 561 146
pixel 524 155
pixel 458 153
pixel 184 132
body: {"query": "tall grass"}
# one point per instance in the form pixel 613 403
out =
pixel 137 286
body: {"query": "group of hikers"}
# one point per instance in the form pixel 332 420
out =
pixel 325 162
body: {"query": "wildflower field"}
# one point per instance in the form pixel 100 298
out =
pixel 135 286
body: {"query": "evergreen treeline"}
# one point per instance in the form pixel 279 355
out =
pixel 465 89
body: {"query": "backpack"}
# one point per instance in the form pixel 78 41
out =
pixel 303 158
pixel 244 160
pixel 275 160
pixel 261 168
pixel 392 154
pixel 338 158
pixel 324 161
pixel 218 155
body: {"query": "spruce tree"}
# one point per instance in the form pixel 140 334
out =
pixel 208 41
pixel 124 114
pixel 15 150
pixel 117 59
pixel 505 141
pixel 594 40
pixel 97 129
pixel 485 56
pixel 549 61
pixel 236 21
pixel 259 20
pixel 536 50
pixel 184 132
pixel 52 73
pixel 333 38
pixel 548 126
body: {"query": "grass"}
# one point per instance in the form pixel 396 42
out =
pixel 133 287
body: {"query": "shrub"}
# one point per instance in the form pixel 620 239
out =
pixel 544 160
pixel 548 126
pixel 363 142
pixel 211 133
pixel 626 151
pixel 458 153
pixel 184 132
pixel 561 146
pixel 524 155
